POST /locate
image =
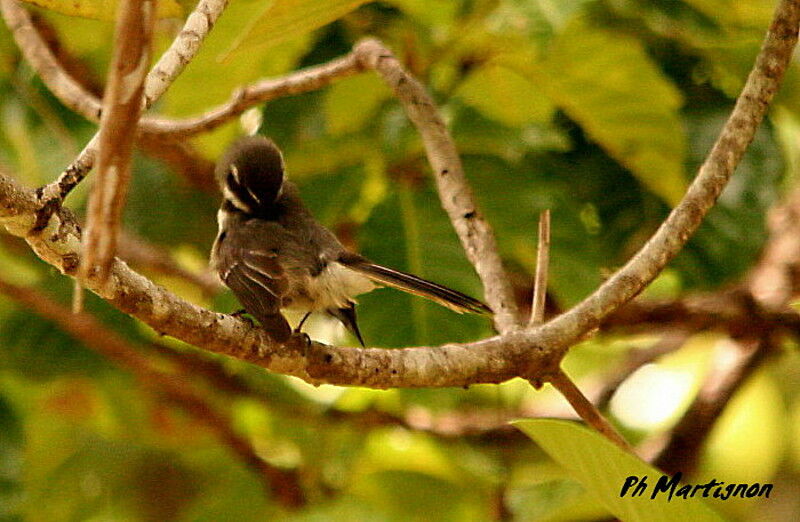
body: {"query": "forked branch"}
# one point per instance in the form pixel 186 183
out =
pixel 530 352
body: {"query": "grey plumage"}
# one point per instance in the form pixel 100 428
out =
pixel 273 254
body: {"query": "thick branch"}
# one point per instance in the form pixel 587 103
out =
pixel 82 326
pixel 450 365
pixel 530 353
pixel 457 199
pixel 733 365
pixel 122 103
pixel 672 235
pixel 170 65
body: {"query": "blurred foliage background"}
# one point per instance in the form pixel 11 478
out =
pixel 600 110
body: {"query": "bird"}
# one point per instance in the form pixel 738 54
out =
pixel 274 255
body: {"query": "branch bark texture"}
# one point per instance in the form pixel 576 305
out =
pixel 530 352
pixel 473 230
pixel 122 103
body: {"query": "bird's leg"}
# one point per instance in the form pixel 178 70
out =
pixel 302 322
pixel 239 314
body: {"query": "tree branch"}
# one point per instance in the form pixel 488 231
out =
pixel 733 365
pixel 304 80
pixel 84 327
pixel 74 96
pixel 182 50
pixel 37 53
pixel 473 230
pixel 122 103
pixel 530 353
pixel 586 410
pixel 672 235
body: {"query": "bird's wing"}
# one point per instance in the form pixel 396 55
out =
pixel 256 278
pixel 452 299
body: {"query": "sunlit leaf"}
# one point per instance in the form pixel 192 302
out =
pixel 284 19
pixel 103 9
pixel 505 95
pixel 412 233
pixel 736 12
pixel 608 84
pixel 350 103
pixel 602 468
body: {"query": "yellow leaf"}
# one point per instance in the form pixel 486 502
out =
pixel 351 102
pixel 102 9
pixel 506 96
pixel 289 18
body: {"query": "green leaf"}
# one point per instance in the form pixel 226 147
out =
pixel 350 103
pixel 11 460
pixel 737 13
pixel 279 21
pixel 410 232
pixel 103 9
pixel 506 96
pixel 607 83
pixel 602 468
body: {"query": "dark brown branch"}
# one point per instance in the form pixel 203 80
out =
pixel 122 103
pixel 731 369
pixel 180 391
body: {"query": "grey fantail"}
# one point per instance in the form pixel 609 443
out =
pixel 273 254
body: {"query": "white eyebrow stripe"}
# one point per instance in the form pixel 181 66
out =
pixel 235 201
pixel 235 173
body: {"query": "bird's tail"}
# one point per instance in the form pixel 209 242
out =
pixel 412 284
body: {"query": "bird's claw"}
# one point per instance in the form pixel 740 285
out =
pixel 240 314
pixel 299 341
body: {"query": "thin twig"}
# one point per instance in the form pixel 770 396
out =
pixel 734 364
pixel 304 80
pixel 530 352
pixel 39 56
pixel 86 328
pixel 74 96
pixel 180 53
pixel 586 410
pixel 473 230
pixel 542 266
pixel 122 103
pixel 143 254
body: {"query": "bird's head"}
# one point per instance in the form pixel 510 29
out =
pixel 251 174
